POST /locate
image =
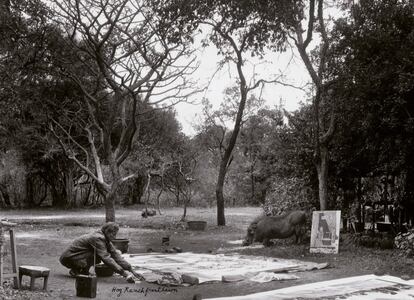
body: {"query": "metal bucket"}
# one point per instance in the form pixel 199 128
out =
pixel 121 244
pixel 86 286
pixel 165 241
pixel 197 225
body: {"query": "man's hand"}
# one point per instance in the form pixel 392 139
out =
pixel 137 275
pixel 129 277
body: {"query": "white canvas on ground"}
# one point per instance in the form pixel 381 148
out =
pixel 213 267
pixel 367 287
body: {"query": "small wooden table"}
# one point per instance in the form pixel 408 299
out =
pixel 5 225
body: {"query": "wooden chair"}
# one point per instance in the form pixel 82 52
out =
pixel 4 225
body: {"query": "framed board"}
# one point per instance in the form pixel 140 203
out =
pixel 325 231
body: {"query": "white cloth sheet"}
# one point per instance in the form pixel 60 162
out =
pixel 367 287
pixel 213 267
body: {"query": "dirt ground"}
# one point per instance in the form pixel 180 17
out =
pixel 42 235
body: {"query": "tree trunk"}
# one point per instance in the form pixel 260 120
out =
pixel 146 192
pixel 4 196
pixel 158 202
pixel 322 170
pixel 29 191
pixel 221 219
pixel 58 196
pixel 263 194
pixel 361 216
pixel 159 195
pixel 85 200
pixel 177 197
pixel 111 192
pixel 110 206
pixel 69 186
pixel 139 188
pixel 252 184
pixel 185 210
pixel 408 196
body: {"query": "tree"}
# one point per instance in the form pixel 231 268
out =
pixel 28 88
pixel 373 59
pixel 277 20
pixel 376 71
pixel 256 152
pixel 316 64
pixel 131 66
pixel 184 166
pixel 159 136
pixel 236 29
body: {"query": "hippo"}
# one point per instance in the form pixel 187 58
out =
pixel 265 228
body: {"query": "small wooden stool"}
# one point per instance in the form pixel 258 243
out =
pixel 34 272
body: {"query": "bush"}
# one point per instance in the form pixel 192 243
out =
pixel 12 180
pixel 373 241
pixel 288 194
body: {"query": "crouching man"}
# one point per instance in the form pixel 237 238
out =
pixel 79 256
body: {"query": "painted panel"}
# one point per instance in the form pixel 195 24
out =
pixel 325 231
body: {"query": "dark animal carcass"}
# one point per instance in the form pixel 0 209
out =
pixel 265 228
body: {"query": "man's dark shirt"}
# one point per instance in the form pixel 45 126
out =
pixel 83 248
